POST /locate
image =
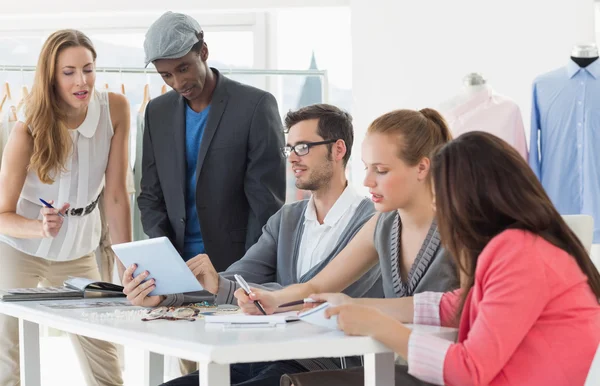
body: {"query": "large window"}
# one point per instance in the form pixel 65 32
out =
pixel 319 38
pixel 275 39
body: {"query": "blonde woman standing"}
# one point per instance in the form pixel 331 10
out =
pixel 70 143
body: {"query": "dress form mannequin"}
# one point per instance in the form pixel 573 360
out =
pixel 584 54
pixel 478 107
pixel 474 79
pixel 472 84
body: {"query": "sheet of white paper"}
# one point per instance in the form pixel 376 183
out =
pixel 317 316
pixel 240 318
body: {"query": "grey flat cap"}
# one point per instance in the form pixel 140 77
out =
pixel 171 36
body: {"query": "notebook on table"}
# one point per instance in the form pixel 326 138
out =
pixel 73 288
pixel 243 319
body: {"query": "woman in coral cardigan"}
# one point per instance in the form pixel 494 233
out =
pixel 527 312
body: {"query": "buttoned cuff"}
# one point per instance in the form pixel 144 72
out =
pixel 427 308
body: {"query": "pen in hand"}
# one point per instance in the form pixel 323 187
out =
pixel 298 302
pixel 47 205
pixel 246 289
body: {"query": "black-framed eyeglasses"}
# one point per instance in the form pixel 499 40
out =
pixel 303 148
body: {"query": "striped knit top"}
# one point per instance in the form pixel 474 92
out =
pixel 432 269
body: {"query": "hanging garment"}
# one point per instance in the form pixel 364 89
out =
pixel 565 138
pixel 3 137
pixel 138 230
pixel 104 254
pixel 484 110
pixel 8 119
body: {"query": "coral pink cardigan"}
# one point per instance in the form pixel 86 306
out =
pixel 530 319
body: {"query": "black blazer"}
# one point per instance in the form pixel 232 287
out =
pixel 240 174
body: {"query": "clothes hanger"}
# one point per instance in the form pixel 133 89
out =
pixel 12 114
pixel 122 83
pixel 24 95
pixel 24 91
pixel 7 90
pixel 146 98
pixel 6 94
pixel 2 102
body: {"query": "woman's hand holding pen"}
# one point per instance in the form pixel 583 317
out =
pixel 267 299
pixel 52 220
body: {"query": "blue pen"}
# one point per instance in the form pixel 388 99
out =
pixel 51 207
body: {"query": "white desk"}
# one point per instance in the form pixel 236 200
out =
pixel 214 348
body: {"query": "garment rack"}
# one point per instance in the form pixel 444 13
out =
pixel 229 71
pixel 225 71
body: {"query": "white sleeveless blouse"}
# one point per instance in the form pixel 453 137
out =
pixel 80 185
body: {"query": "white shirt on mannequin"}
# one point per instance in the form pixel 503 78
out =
pixel 480 108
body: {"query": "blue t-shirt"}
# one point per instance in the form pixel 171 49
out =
pixel 194 128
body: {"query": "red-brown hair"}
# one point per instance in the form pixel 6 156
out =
pixel 483 187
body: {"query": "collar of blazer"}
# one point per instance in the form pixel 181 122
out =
pixel 221 88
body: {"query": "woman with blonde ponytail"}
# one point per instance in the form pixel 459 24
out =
pixel 69 144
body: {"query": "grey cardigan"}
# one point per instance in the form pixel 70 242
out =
pixel 432 270
pixel 272 262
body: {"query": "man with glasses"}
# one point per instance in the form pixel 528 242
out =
pixel 299 240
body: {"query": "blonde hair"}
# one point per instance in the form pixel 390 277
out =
pixel 419 132
pixel 51 140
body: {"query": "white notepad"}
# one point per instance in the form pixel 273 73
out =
pixel 240 318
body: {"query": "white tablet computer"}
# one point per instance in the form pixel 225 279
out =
pixel 160 258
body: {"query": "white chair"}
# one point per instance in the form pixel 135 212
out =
pixel 583 226
pixel 593 377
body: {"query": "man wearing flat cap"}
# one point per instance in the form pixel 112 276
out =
pixel 212 170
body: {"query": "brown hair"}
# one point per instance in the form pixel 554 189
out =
pixel 51 140
pixel 483 187
pixel 334 123
pixel 419 132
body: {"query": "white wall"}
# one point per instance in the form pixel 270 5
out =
pixel 414 54
pixel 46 7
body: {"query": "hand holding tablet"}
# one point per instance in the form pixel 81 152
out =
pixel 164 264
